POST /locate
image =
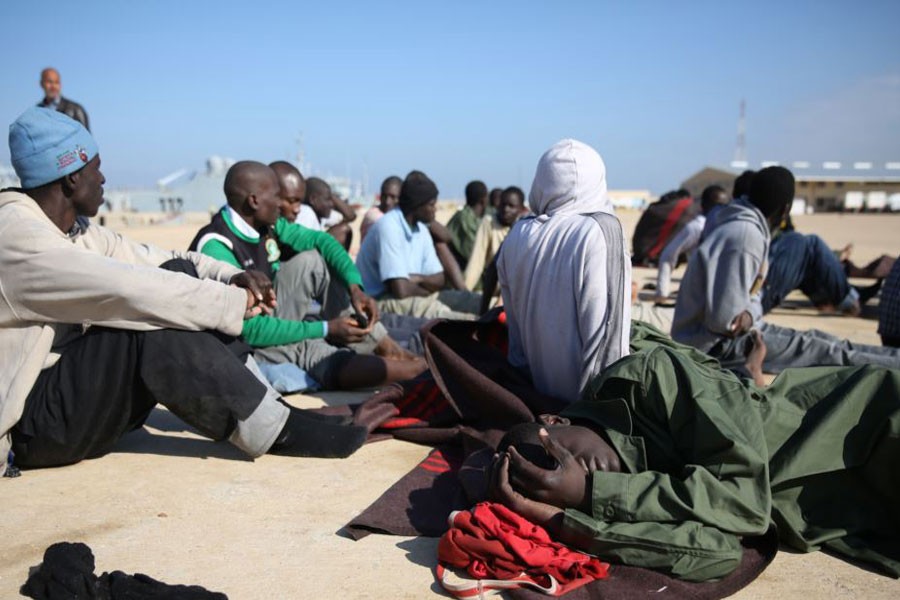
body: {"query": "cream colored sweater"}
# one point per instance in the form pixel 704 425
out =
pixel 51 283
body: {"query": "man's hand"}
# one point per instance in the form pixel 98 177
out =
pixel 260 293
pixel 566 486
pixel 500 490
pixel 741 324
pixel 364 304
pixel 343 331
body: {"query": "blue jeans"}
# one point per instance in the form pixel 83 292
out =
pixel 804 262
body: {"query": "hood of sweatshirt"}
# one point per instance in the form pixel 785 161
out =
pixel 739 210
pixel 570 179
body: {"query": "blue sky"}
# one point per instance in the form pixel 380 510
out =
pixel 464 90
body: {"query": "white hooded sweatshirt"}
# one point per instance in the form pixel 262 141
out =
pixel 565 275
pixel 54 286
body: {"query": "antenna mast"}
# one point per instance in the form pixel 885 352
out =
pixel 740 149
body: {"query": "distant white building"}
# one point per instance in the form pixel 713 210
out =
pixel 821 187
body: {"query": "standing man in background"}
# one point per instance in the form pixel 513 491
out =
pixel 53 98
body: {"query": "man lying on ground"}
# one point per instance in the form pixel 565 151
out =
pixel 719 301
pixel 248 232
pixel 94 333
pixel 667 461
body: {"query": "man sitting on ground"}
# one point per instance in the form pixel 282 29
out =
pixel 390 194
pixel 889 308
pixel 249 232
pixel 719 302
pixel 667 461
pixel 323 210
pixel 494 201
pixel 463 226
pixel 94 333
pixel 686 241
pixel 565 277
pixel 293 189
pixel 399 264
pixel 491 233
pixel 805 262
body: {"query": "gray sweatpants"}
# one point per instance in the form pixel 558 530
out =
pixel 301 281
pixel 789 348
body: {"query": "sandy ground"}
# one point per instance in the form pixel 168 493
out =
pixel 183 509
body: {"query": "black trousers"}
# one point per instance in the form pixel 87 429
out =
pixel 106 383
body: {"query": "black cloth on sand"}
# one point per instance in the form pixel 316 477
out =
pixel 67 572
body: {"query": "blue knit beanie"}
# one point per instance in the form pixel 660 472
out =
pixel 45 145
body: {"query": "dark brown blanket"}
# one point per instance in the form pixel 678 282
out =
pixel 472 396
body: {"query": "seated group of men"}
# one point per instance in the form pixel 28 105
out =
pixel 668 458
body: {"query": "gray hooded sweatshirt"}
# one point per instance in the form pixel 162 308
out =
pixel 565 276
pixel 723 277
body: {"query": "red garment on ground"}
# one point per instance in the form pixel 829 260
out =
pixel 492 542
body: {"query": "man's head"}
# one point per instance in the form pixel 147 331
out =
pixel 318 196
pixel 50 149
pixel 772 192
pixel 742 183
pixel 292 188
pixel 252 190
pixel 495 197
pixel 476 195
pixel 390 193
pixel 50 83
pixel 714 195
pixel 418 197
pixel 512 200
pixel 570 179
pixel 586 445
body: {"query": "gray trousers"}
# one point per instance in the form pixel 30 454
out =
pixel 788 348
pixel 305 290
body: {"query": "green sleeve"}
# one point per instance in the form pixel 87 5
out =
pixel 219 251
pixel 302 239
pixel 263 330
pixel 689 550
pixel 700 477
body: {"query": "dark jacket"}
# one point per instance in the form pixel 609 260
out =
pixel 71 109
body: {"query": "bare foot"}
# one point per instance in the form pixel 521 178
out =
pixel 844 254
pixel 388 348
pixel 853 310
pixel 756 356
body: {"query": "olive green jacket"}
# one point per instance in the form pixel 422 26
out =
pixel 463 228
pixel 709 457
